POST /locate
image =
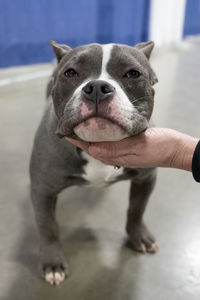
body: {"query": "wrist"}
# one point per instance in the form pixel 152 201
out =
pixel 196 163
pixel 183 150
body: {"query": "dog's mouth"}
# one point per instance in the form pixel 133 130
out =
pixel 98 129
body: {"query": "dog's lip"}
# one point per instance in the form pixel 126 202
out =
pixel 100 117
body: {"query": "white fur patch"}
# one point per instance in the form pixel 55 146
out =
pixel 55 278
pixel 125 108
pixel 97 173
pixel 107 50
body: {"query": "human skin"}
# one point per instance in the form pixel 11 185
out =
pixel 155 147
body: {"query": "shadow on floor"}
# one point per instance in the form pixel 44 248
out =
pixel 90 277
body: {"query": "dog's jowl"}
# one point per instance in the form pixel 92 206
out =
pixel 96 93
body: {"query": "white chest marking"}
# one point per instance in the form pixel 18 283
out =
pixel 98 174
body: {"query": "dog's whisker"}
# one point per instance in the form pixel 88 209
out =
pixel 139 99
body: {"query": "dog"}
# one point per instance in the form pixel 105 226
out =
pixel 96 93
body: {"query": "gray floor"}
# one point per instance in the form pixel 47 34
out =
pixel 92 231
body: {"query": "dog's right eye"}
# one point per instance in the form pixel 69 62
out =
pixel 71 73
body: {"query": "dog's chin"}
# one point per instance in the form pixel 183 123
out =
pixel 100 130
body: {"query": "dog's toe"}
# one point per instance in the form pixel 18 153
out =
pixel 55 275
pixel 141 240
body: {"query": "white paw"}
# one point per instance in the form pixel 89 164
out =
pixel 55 277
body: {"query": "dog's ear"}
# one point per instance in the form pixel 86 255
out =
pixel 146 48
pixel 59 49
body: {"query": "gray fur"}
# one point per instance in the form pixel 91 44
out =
pixel 56 164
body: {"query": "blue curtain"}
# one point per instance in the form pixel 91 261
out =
pixel 192 18
pixel 26 26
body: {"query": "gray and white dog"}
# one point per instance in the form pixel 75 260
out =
pixel 96 93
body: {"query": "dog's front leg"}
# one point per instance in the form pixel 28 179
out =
pixel 140 239
pixel 52 263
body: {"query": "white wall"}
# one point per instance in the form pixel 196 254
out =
pixel 167 21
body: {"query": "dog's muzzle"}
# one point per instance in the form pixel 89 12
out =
pixel 97 101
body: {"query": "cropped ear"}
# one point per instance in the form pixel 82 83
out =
pixel 146 48
pixel 59 49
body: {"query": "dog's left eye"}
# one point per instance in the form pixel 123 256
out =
pixel 71 73
pixel 132 74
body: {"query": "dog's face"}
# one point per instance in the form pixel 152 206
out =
pixel 102 92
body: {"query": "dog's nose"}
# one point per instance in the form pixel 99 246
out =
pixel 98 90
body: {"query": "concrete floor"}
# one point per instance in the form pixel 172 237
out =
pixel 101 267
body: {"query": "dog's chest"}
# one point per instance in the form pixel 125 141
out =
pixel 97 173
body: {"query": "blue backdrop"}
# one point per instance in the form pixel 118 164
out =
pixel 192 18
pixel 26 26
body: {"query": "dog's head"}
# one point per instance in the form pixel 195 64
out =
pixel 102 92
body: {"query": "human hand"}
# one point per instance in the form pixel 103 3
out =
pixel 156 147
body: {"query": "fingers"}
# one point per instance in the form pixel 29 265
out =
pixel 80 144
pixel 101 149
pixel 110 150
pixel 113 150
pixel 107 149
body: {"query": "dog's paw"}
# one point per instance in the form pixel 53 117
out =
pixel 141 240
pixel 55 274
pixel 52 266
